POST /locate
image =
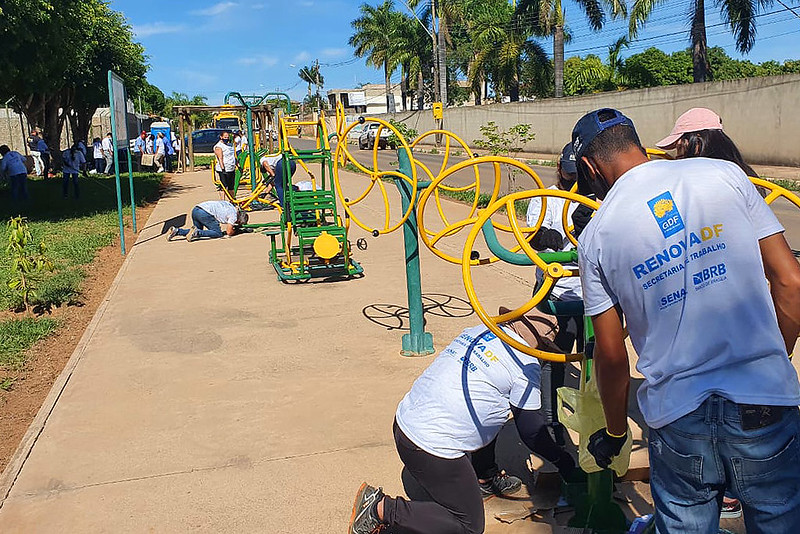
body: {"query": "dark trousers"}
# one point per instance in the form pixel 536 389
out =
pixel 137 161
pixel 456 506
pixel 484 462
pixel 570 332
pixel 19 186
pixel 100 165
pixel 227 179
pixel 46 160
pixel 65 183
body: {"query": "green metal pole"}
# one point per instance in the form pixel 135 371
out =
pixel 116 163
pixel 417 342
pixel 130 170
pixel 251 148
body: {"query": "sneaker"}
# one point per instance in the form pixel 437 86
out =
pixel 172 233
pixel 500 484
pixel 364 519
pixel 731 509
pixel 192 235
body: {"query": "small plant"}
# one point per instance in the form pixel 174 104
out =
pixel 7 383
pixel 26 264
pixel 434 151
pixel 505 143
pixel 407 131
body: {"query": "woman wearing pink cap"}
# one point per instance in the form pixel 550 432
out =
pixel 698 133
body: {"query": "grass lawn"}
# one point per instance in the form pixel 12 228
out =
pixel 203 160
pixel 73 230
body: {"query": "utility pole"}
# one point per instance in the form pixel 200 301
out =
pixel 441 57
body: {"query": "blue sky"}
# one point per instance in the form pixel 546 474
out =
pixel 211 47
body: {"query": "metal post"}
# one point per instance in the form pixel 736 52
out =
pixel 251 148
pixel 8 123
pixel 182 140
pixel 116 164
pixel 130 164
pixel 417 342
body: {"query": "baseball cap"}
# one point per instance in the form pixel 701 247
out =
pixel 694 120
pixel 589 126
pixel 568 159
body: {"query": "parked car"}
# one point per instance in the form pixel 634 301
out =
pixel 203 141
pixel 355 133
pixel 368 133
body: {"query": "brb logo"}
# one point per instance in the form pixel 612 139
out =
pixel 710 273
pixel 666 214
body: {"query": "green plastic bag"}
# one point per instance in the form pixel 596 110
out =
pixel 582 411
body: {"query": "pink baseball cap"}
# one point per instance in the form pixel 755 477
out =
pixel 694 120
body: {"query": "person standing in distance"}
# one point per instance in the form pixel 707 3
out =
pixel 139 147
pixel 72 160
pixel 225 165
pixel 13 166
pixel 33 147
pixel 690 279
pixel 108 153
pixel 161 152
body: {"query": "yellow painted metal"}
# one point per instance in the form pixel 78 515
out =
pixel 438 110
pixel 327 246
pixel 430 238
pixel 552 272
pixel 776 191
pixel 657 152
pixel 375 176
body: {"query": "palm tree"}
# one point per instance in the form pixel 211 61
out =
pixel 608 76
pixel 412 53
pixel 374 36
pixel 546 17
pixel 740 16
pixel 312 76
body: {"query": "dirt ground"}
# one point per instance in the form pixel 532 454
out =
pixel 47 358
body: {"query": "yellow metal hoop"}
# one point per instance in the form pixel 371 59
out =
pixel 552 272
pixel 375 176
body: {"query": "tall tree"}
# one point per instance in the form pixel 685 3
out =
pixel 312 76
pixel 374 36
pixel 546 17
pixel 739 15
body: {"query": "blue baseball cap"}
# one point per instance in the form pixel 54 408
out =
pixel 589 126
pixel 567 159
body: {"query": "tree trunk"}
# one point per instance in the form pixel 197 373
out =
pixel 388 80
pixel 81 123
pixel 404 86
pixel 701 70
pixel 420 89
pixel 558 60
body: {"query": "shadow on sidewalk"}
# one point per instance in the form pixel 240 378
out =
pixel 395 317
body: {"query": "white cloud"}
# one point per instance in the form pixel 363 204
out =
pixel 334 52
pixel 261 61
pixel 157 28
pixel 216 9
pixel 302 56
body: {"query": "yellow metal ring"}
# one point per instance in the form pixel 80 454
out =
pixel 551 274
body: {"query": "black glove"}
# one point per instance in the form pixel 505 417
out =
pixel 603 446
pixel 546 238
pixel 580 218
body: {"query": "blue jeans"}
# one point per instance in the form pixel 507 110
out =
pixel 206 224
pixel 65 183
pixel 694 459
pixel 19 186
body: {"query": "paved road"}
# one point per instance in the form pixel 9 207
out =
pixel 788 214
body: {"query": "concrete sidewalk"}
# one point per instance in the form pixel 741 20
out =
pixel 207 396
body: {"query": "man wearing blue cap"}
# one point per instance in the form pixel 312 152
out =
pixel 552 237
pixel 684 249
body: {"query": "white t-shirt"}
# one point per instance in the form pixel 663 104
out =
pixel 675 243
pixel 160 146
pixel 97 150
pixel 462 400
pixel 108 147
pixel 271 160
pixel 567 288
pixel 228 157
pixel 222 210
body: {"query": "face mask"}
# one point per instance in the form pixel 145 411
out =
pixel 226 141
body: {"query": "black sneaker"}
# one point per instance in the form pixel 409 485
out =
pixel 731 509
pixel 500 484
pixel 364 519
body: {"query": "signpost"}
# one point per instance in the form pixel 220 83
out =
pixel 118 100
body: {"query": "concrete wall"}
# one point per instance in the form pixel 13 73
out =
pixel 762 115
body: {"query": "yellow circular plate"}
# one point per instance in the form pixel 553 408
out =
pixel 326 246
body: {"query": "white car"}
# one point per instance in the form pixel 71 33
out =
pixel 355 133
pixel 367 137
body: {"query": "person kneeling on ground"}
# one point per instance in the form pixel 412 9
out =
pixel 273 166
pixel 458 406
pixel 213 218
